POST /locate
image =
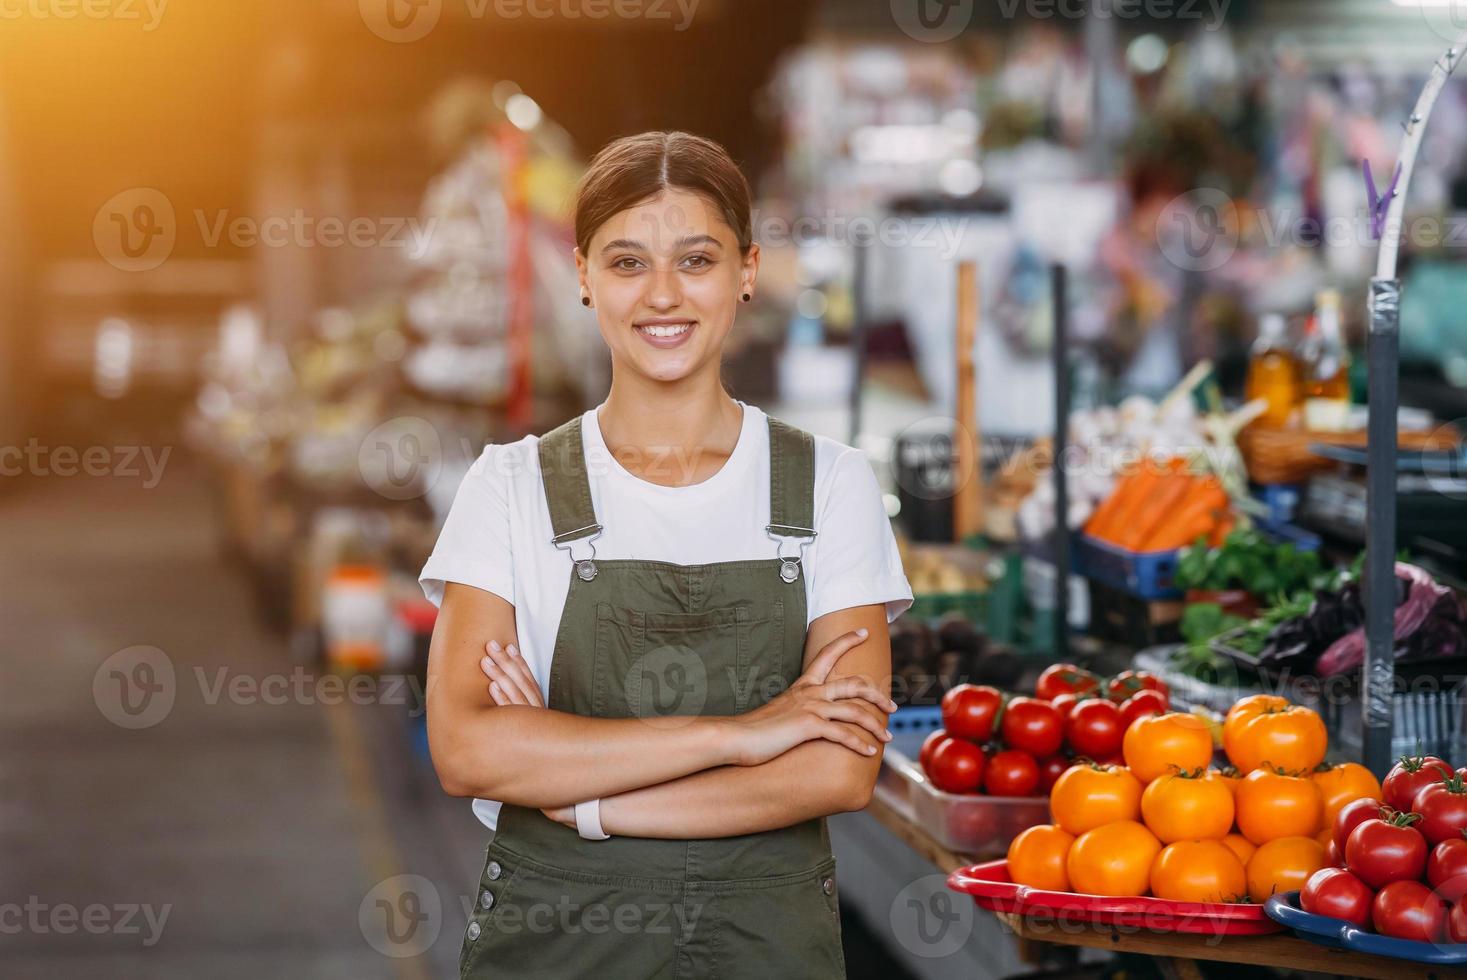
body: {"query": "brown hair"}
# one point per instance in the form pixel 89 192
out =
pixel 632 169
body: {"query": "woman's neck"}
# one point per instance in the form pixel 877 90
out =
pixel 677 434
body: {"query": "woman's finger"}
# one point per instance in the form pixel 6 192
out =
pixel 850 736
pixel 855 713
pixel 516 672
pixel 826 659
pixel 510 692
pixel 856 686
pixel 499 699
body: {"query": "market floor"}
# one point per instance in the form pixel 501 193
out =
pixel 178 797
pixel 245 830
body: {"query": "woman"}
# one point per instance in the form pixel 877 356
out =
pixel 662 648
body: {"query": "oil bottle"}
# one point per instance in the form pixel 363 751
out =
pixel 1274 373
pixel 1326 367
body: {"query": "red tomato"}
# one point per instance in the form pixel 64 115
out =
pixel 1338 894
pixel 957 766
pixel 929 745
pixel 1443 809
pixel 1332 856
pixel 1128 682
pixel 1409 910
pixel 1143 703
pixel 1457 923
pixel 1379 852
pixel 1095 728
pixel 1114 759
pixel 1033 726
pixel 1352 815
pixel 1051 769
pixel 1064 703
pixel 1064 679
pixel 1012 773
pixel 969 711
pixel 1446 869
pixel 1408 777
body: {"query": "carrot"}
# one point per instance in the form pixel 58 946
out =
pixel 1198 515
pixel 1221 532
pixel 1101 520
pixel 1173 490
pixel 1138 491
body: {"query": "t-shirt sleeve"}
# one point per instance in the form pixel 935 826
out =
pixel 474 546
pixel 854 559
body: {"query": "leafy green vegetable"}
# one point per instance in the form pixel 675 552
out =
pixel 1203 620
pixel 1248 560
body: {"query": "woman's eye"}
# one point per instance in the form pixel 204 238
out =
pixel 627 264
pixel 698 262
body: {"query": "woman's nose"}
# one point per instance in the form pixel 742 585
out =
pixel 663 290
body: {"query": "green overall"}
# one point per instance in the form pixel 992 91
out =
pixel 663 642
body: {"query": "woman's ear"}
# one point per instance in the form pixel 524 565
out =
pixel 749 274
pixel 582 270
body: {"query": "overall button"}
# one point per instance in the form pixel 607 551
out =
pixel 828 886
pixel 494 870
pixel 474 931
pixel 486 900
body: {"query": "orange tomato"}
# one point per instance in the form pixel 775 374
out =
pixel 1287 737
pixel 1246 710
pixel 1037 858
pixel 1113 860
pixel 1161 744
pixel 1283 865
pixel 1187 806
pixel 1198 871
pixel 1089 796
pixel 1241 846
pixel 1273 804
pixel 1345 783
pixel 1230 778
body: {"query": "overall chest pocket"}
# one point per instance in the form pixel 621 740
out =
pixel 662 667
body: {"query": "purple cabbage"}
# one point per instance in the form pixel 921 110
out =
pixel 1429 623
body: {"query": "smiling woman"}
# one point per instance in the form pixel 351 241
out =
pixel 662 658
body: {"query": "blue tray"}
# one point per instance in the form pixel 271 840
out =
pixel 1339 934
pixel 1148 574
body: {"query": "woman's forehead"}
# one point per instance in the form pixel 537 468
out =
pixel 665 222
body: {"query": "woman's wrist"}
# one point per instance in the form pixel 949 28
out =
pixel 719 737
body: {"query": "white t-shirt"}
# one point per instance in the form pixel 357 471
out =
pixel 497 533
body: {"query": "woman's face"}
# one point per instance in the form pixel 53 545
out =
pixel 665 278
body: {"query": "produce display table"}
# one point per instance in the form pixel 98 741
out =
pixel 1180 952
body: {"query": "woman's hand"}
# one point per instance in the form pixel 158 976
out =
pixel 849 711
pixel 510 680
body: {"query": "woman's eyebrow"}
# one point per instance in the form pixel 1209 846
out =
pixel 692 240
pixel 624 244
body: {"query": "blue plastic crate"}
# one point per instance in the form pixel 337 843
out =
pixel 1281 499
pixel 915 719
pixel 1149 574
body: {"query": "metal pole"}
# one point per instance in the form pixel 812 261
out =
pixel 858 331
pixel 1378 675
pixel 1061 481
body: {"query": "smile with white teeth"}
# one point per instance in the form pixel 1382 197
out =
pixel 667 331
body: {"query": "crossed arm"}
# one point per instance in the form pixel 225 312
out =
pixel 812 751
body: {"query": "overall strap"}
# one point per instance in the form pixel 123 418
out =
pixel 791 481
pixel 567 490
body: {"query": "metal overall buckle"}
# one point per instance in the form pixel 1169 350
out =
pixel 789 565
pixel 585 567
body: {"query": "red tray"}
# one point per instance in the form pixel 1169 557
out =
pixel 991 888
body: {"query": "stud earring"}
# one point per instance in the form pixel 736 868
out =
pixel 748 297
pixel 585 301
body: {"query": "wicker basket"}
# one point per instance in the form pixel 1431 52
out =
pixel 1283 456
